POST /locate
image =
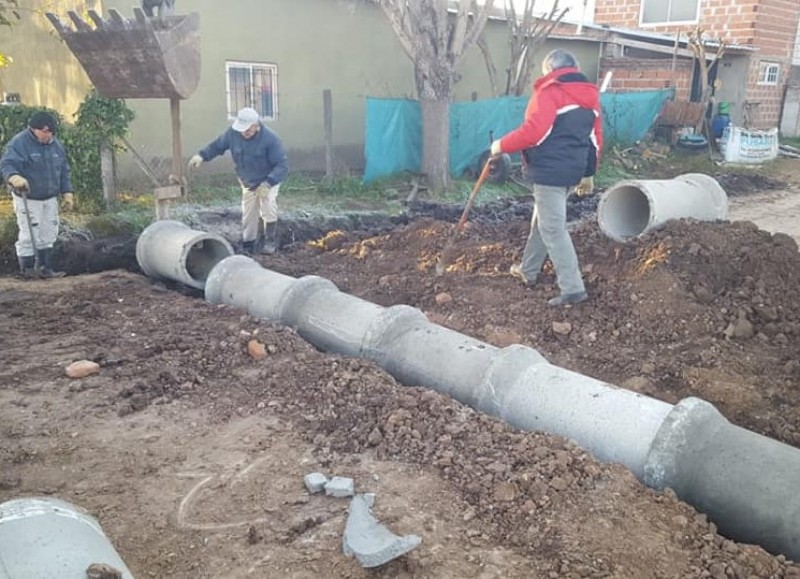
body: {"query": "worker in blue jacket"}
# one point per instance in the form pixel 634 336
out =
pixel 261 165
pixel 35 163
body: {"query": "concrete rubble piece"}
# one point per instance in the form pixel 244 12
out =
pixel 371 543
pixel 340 487
pixel 315 482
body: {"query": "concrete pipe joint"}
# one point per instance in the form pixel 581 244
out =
pixel 171 250
pixel 45 537
pixel 631 208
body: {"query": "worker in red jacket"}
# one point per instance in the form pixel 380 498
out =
pixel 560 140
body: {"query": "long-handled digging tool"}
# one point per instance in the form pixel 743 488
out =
pixel 37 261
pixel 447 252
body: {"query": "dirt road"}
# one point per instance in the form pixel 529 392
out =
pixel 773 211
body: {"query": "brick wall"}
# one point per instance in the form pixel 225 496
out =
pixel 769 25
pixel 633 74
pixel 732 20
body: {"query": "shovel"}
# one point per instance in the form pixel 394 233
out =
pixel 447 252
pixel 37 262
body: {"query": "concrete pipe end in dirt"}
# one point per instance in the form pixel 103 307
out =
pixel 172 250
pixel 47 537
pixel 632 208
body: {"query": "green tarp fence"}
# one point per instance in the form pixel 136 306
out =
pixel 393 140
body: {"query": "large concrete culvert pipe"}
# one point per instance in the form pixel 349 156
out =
pixel 631 208
pixel 172 250
pixel 48 538
pixel 745 482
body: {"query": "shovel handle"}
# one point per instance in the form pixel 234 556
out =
pixel 477 187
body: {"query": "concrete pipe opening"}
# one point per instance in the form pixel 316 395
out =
pixel 630 209
pixel 171 250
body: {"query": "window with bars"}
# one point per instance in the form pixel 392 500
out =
pixel 769 73
pixel 670 11
pixel 252 85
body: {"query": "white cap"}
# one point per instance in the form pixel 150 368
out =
pixel 245 119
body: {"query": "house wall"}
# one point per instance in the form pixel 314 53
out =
pixel 769 25
pixel 43 71
pixel 636 74
pixel 347 46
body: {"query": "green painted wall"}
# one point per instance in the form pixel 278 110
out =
pixel 347 46
pixel 44 71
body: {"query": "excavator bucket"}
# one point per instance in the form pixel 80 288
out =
pixel 140 58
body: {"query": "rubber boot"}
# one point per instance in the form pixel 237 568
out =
pixel 27 266
pixel 47 271
pixel 270 244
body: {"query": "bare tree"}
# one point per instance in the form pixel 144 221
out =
pixel 527 32
pixel 435 40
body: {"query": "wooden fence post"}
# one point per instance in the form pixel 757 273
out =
pixel 107 175
pixel 327 107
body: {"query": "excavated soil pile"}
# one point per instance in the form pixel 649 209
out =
pixel 695 309
pixel 709 310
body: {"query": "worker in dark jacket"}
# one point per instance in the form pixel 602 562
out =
pixel 35 163
pixel 560 140
pixel 261 166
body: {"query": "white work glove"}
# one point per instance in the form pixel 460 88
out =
pixel 68 201
pixel 195 162
pixel 18 182
pixel 585 187
pixel 496 149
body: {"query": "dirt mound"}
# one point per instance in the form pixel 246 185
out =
pixel 532 504
pixel 694 309
pixel 736 184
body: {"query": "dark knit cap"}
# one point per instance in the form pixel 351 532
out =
pixel 43 120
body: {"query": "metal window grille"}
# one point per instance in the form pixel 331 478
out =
pixel 769 73
pixel 252 85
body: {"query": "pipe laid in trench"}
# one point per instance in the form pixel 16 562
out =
pixel 631 208
pixel 172 250
pixel 745 482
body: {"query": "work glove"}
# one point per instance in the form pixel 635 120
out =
pixel 195 162
pixel 496 149
pixel 68 201
pixel 585 187
pixel 18 182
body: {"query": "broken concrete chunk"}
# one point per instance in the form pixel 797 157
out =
pixel 82 369
pixel 315 482
pixel 340 486
pixel 371 543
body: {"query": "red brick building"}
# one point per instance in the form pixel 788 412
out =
pixel 753 74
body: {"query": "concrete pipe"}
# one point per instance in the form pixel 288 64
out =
pixel 630 209
pixel 743 481
pixel 171 250
pixel 41 538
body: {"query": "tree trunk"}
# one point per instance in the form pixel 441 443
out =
pixel 435 142
pixel 435 89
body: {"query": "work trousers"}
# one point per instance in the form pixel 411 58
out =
pixel 44 223
pixel 257 204
pixel 549 236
